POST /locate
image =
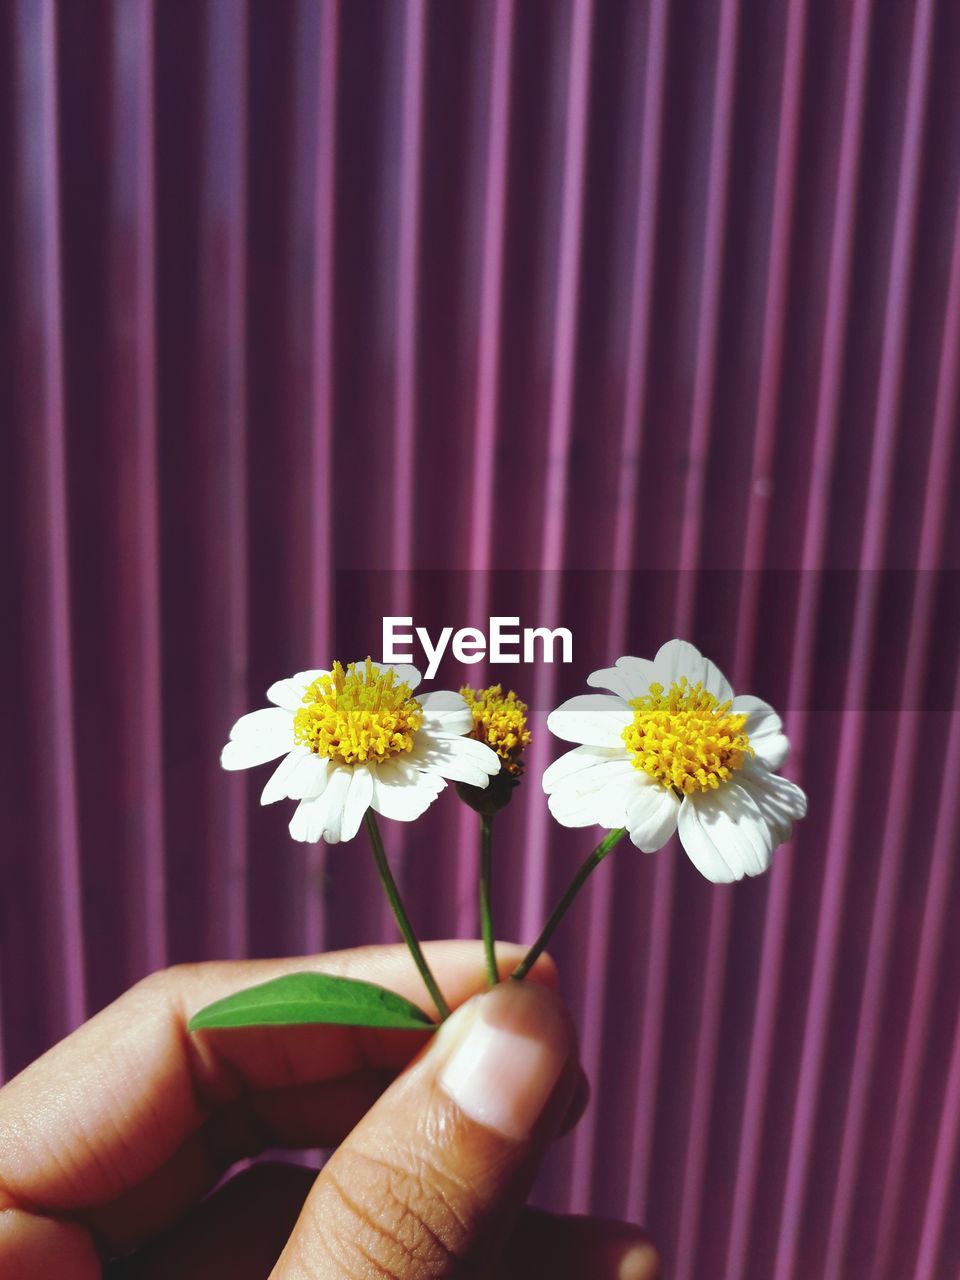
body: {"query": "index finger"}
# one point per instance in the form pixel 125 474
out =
pixel 119 1100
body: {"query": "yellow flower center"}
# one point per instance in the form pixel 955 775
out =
pixel 499 720
pixel 686 738
pixel 358 714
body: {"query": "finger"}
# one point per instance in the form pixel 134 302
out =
pixel 567 1248
pixel 310 1116
pixel 31 1245
pixel 435 1173
pixel 238 1234
pixel 133 1113
pixel 235 1234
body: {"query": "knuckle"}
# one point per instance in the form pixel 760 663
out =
pixel 161 983
pixel 385 1222
pixel 152 984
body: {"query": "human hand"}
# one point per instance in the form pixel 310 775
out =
pixel 110 1141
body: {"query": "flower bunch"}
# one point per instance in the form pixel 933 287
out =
pixel 667 748
pixel 358 738
pixel 670 748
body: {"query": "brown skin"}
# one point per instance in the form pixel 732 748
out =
pixel 110 1142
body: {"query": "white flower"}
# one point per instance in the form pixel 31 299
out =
pixel 356 739
pixel 671 748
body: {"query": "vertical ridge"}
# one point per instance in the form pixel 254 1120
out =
pixel 40 255
pixel 701 417
pixel 815 521
pixel 406 319
pixel 944 1162
pixel 200 287
pixel 704 409
pixel 907 738
pixel 223 319
pixel 825 434
pixel 488 386
pixel 408 274
pixel 133 208
pixel 655 987
pixel 765 428
pixel 599 946
pixel 562 366
pixel 861 653
pixel 68 844
pixel 771 366
pixel 321 587
pixel 936 901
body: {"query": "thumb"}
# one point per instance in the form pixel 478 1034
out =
pixel 429 1182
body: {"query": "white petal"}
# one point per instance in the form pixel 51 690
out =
pixel 630 678
pixel 276 788
pixel 402 792
pixel 321 818
pixel 575 761
pixel 679 658
pixel 573 808
pixel 613 800
pixel 307 821
pixel 335 799
pixel 300 824
pixel 478 753
pixel 459 759
pixel 268 720
pixel 599 774
pixel 780 801
pixel 289 693
pixel 404 673
pixel 595 719
pixel 359 795
pixel 310 777
pixel 258 737
pixel 446 711
pixel 595 794
pixel 576 812
pixel 764 728
pixel 652 816
pixel 725 834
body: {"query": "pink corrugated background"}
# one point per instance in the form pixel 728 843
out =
pixel 293 288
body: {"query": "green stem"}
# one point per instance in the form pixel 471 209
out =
pixel 403 920
pixel 560 910
pixel 486 915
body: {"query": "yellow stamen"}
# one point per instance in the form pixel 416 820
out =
pixel 686 738
pixel 357 714
pixel 499 720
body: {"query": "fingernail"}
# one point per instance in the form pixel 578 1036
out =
pixel 642 1262
pixel 503 1070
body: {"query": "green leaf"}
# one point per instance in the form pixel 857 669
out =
pixel 303 998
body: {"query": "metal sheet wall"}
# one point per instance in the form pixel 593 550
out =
pixel 289 289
